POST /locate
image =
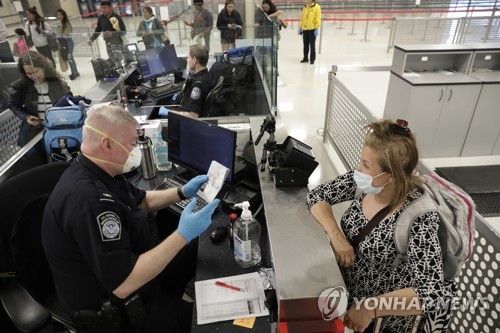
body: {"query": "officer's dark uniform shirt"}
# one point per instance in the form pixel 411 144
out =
pixel 196 91
pixel 92 233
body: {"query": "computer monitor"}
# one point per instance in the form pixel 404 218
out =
pixel 129 51
pixel 156 62
pixel 194 144
pixel 169 59
pixel 149 64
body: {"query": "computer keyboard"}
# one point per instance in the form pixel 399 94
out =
pixel 165 89
pixel 170 183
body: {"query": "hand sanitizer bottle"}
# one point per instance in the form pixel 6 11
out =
pixel 161 154
pixel 246 237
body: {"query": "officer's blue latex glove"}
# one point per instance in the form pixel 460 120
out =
pixel 193 186
pixel 163 112
pixel 316 31
pixel 301 31
pixel 191 225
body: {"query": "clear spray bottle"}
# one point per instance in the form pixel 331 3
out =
pixel 246 237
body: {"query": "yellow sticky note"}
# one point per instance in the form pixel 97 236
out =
pixel 244 322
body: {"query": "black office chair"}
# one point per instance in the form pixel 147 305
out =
pixel 29 297
pixel 209 108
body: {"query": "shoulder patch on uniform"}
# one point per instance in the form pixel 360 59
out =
pixel 109 226
pixel 195 93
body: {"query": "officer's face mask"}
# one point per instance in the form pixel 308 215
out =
pixel 364 182
pixel 134 157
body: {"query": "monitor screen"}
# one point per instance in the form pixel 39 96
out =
pixel 194 144
pixel 156 62
pixel 129 51
pixel 132 47
pixel 149 64
pixel 169 59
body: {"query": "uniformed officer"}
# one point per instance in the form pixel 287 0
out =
pixel 97 239
pixel 197 86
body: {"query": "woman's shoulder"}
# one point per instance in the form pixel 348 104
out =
pixel 17 84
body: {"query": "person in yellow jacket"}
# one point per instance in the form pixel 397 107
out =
pixel 310 22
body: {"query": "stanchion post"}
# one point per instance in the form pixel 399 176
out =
pixel 366 27
pixel 180 35
pixel 352 33
pixel 321 36
pixel 390 24
pixel 340 27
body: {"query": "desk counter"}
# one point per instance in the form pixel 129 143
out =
pixel 302 257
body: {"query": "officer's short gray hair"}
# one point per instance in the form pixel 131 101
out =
pixel 106 117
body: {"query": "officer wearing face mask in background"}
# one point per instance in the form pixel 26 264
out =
pixel 98 241
pixel 384 182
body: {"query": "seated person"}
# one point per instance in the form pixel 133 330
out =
pixel 197 86
pixel 98 241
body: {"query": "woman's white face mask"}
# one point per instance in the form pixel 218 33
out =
pixel 134 156
pixel 364 182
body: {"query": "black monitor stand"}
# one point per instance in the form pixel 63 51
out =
pixel 150 84
pixel 184 175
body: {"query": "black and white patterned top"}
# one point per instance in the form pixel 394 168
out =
pixel 377 269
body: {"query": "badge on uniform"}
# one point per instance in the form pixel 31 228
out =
pixel 109 226
pixel 196 93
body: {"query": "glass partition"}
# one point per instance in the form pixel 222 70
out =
pixel 75 59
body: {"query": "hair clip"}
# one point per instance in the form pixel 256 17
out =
pixel 403 124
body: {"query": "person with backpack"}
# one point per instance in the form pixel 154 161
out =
pixel 230 25
pixel 385 289
pixel 38 30
pixel 29 97
pixel 150 29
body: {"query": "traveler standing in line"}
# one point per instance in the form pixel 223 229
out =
pixel 230 25
pixel 23 43
pixel 202 24
pixel 266 18
pixel 112 27
pixel 150 29
pixel 66 44
pixel 309 25
pixel 5 52
pixel 39 87
pixel 38 30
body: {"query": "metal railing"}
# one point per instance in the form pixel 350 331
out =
pixel 345 119
pixel 436 30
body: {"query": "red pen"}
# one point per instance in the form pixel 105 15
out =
pixel 222 284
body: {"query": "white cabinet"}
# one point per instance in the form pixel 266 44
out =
pixel 484 129
pixel 438 114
